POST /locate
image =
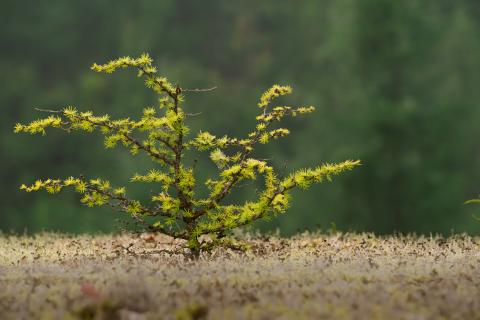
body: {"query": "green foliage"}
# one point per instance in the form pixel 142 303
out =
pixel 175 210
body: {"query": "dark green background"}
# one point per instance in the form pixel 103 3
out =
pixel 395 84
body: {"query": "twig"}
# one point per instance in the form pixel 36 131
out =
pixel 199 90
pixel 193 114
pixel 50 111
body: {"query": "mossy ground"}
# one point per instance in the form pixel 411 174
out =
pixel 310 276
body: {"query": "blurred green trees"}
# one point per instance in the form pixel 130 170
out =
pixel 394 83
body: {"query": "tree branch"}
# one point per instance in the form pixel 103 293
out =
pixel 126 135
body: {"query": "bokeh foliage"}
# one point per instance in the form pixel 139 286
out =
pixel 394 83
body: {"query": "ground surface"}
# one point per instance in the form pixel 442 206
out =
pixel 306 277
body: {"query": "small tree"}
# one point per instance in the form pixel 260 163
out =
pixel 175 210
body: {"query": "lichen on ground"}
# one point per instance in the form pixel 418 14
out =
pixel 310 276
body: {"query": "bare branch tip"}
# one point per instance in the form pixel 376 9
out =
pixel 199 90
pixel 47 110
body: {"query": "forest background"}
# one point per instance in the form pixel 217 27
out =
pixel 395 84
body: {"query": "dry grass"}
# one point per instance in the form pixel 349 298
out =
pixel 314 276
